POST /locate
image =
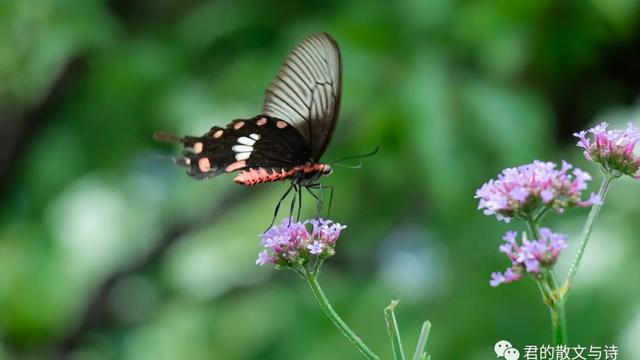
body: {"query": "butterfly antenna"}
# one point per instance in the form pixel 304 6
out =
pixel 168 138
pixel 337 162
pixel 357 166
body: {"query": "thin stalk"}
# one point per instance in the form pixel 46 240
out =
pixel 312 280
pixel 558 323
pixel 419 354
pixel 540 216
pixel 558 315
pixel 549 289
pixel 586 234
pixel 316 266
pixel 533 229
pixel 393 331
pixel 545 291
pixel 556 309
pixel 551 286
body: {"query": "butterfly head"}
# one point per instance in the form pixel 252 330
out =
pixel 326 170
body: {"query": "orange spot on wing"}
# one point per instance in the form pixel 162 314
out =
pixel 197 147
pixel 235 166
pixel 261 121
pixel 217 134
pixel 204 164
pixel 281 124
pixel 238 125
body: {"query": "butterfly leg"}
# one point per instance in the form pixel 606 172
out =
pixel 299 202
pixel 321 202
pixel 275 212
pixel 293 202
pixel 330 199
pixel 320 198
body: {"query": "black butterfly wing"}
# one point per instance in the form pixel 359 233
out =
pixel 306 91
pixel 260 142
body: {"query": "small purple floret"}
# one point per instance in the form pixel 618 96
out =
pixel 292 243
pixel 613 149
pixel 524 190
pixel 315 248
pixel 529 257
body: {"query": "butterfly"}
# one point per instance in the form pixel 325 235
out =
pixel 287 139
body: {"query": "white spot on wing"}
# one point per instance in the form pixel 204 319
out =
pixel 246 141
pixel 242 156
pixel 255 137
pixel 242 148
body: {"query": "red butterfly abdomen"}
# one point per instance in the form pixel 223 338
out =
pixel 258 176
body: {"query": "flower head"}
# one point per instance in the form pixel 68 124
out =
pixel 525 190
pixel 530 256
pixel 294 244
pixel 612 149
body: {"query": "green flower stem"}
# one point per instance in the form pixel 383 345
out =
pixel 533 229
pixel 550 295
pixel 316 266
pixel 393 331
pixel 312 280
pixel 541 214
pixel 558 316
pixel 547 294
pixel 586 234
pixel 558 323
pixel 549 291
pixel 420 354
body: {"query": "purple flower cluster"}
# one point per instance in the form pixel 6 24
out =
pixel 612 149
pixel 531 256
pixel 294 243
pixel 524 190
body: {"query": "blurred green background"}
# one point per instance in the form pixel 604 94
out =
pixel 107 251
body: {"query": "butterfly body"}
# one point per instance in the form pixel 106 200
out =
pixel 303 175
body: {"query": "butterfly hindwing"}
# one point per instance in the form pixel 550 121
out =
pixel 306 91
pixel 260 142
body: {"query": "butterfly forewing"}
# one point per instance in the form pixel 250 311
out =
pixel 306 91
pixel 259 142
